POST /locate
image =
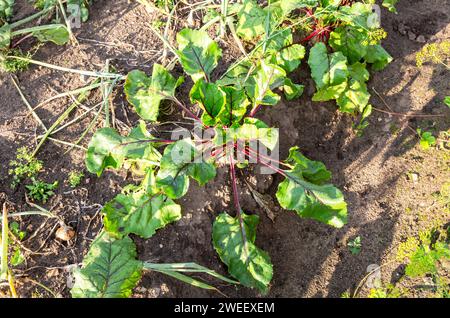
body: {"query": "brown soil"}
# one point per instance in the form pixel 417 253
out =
pixel 310 259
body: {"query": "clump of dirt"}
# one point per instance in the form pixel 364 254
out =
pixel 310 259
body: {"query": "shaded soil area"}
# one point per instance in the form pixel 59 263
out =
pixel 310 259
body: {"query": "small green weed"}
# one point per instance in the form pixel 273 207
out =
pixel 75 178
pixel 427 139
pixel 17 257
pixel 41 191
pixel 165 4
pixel 14 227
pixel 25 165
pixel 15 65
pixel 389 291
pixel 355 245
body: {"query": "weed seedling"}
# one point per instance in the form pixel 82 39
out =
pixel 14 65
pixel 17 257
pixel 75 178
pixel 14 227
pixel 355 245
pixel 427 139
pixel 41 191
pixel 24 166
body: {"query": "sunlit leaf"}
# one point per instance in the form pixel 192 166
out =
pixel 198 53
pixel 246 262
pixel 146 93
pixel 109 270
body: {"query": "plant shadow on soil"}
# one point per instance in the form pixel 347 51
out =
pixel 310 259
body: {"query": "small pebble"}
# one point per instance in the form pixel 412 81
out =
pixel 414 177
pixel 421 39
pixel 402 29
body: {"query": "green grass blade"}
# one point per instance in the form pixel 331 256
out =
pixel 69 70
pixel 27 213
pixel 188 280
pixel 188 267
pixel 4 243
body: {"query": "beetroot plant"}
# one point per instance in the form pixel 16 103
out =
pixel 344 40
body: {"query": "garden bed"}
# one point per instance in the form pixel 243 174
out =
pixel 385 204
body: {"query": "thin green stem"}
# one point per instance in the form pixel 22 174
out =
pixel 90 87
pixel 4 244
pixel 60 119
pixel 69 70
pixel 36 29
pixel 28 213
pixel 76 119
pixel 91 124
pixel 30 18
pixel 223 21
pixel 25 101
pixel 69 29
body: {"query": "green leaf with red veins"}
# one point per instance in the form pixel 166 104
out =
pixel 108 149
pixel 198 53
pixel 140 210
pixel 180 161
pixel 211 98
pixel 236 103
pixel 304 192
pixel 246 262
pixel 109 270
pixel 267 77
pixel 146 93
